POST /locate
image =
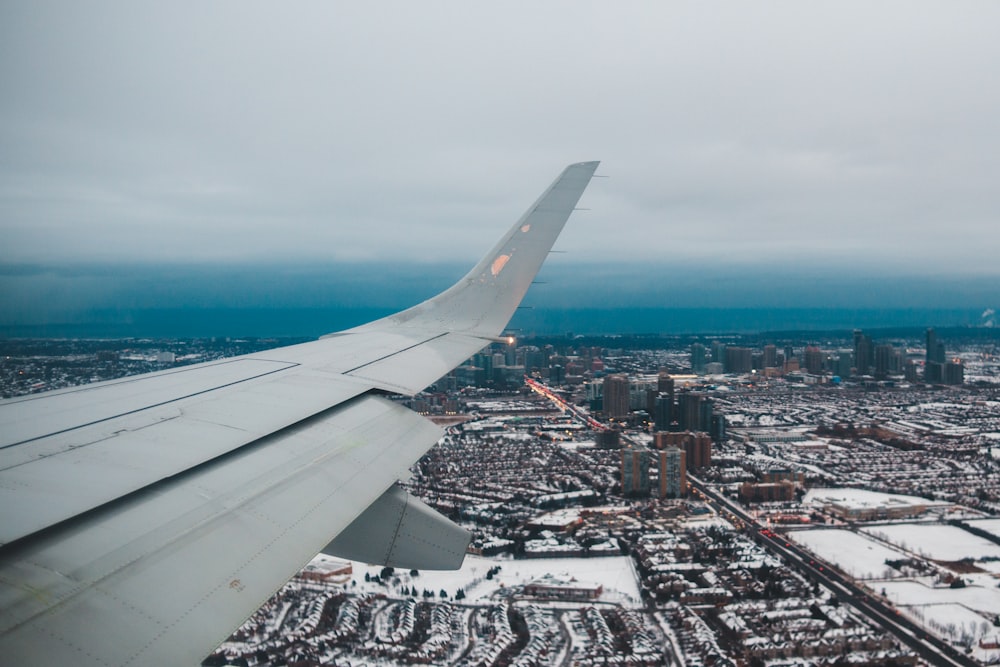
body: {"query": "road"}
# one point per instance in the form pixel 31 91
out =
pixel 928 646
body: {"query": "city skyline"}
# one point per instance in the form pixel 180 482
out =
pixel 867 504
pixel 309 300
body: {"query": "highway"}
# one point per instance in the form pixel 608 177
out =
pixel 928 646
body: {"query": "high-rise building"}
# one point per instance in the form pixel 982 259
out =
pixel 673 472
pixel 935 348
pixel 609 439
pixel 933 372
pixel 936 368
pixel 887 360
pixel 739 360
pixel 689 410
pixel 705 412
pixel 535 358
pixel 697 446
pixel 954 372
pixel 664 382
pixel 635 472
pixel 813 357
pixel 770 356
pixel 844 363
pixel 719 352
pixel 663 412
pixel 864 353
pixel 699 450
pixel 697 358
pixel 510 356
pixel 616 396
pixel 718 428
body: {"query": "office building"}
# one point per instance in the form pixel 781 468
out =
pixel 770 359
pixel 933 372
pixel 935 348
pixel 663 412
pixel 954 372
pixel 813 357
pixel 698 358
pixel 689 410
pixel 864 353
pixel 844 363
pixel 887 360
pixel 717 431
pixel 616 396
pixel 739 360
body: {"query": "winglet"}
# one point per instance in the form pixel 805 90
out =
pixel 483 301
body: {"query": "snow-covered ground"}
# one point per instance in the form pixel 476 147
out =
pixel 614 573
pixel 991 526
pixel 957 623
pixel 984 599
pixel 855 554
pixel 939 542
pixel 862 498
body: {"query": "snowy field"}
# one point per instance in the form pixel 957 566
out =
pixel 990 566
pixel 861 498
pixel 855 554
pixel 991 526
pixel 614 573
pixel 947 543
pixel 984 599
pixel 956 623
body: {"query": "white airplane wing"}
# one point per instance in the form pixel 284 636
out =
pixel 143 519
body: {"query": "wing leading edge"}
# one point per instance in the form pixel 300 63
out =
pixel 206 489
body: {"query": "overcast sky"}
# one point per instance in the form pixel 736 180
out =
pixel 820 134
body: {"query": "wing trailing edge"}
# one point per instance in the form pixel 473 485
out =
pixel 401 531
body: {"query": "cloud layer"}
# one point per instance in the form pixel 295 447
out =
pixel 780 133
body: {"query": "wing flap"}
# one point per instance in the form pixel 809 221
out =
pixel 400 531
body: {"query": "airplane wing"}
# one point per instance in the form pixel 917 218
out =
pixel 143 519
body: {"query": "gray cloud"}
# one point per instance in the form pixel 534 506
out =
pixel 833 133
